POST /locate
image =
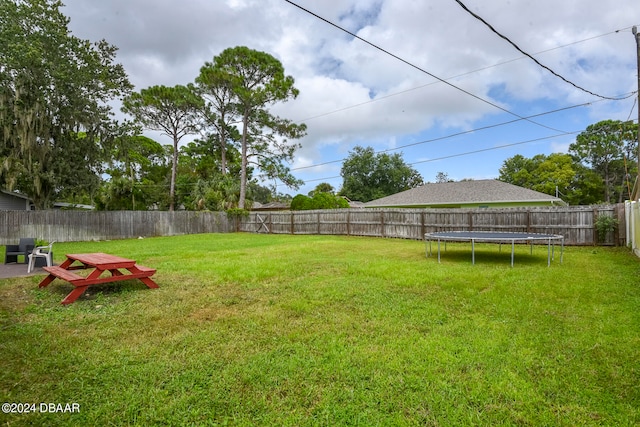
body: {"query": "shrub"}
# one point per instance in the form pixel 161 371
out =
pixel 605 224
pixel 300 203
pixel 320 200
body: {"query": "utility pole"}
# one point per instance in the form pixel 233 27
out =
pixel 636 35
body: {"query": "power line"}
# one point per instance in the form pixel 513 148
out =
pixel 477 70
pixel 635 102
pixel 467 153
pixel 453 134
pixel 561 133
pixel 459 134
pixel 419 68
pixel 495 148
pixel 479 18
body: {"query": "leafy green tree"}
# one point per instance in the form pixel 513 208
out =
pixel 609 148
pixel 214 195
pixel 201 183
pixel 588 187
pixel 171 110
pixel 260 193
pixel 257 81
pixel 442 177
pixel 301 202
pixel 553 174
pixel 203 158
pixel 323 187
pixel 517 170
pixel 138 171
pixel 323 200
pixel 118 194
pixel 215 86
pixel 368 176
pixel 54 94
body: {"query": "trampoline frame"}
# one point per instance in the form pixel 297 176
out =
pixel 495 237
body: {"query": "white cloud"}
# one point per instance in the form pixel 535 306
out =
pixel 352 93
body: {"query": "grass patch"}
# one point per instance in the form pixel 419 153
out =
pixel 322 330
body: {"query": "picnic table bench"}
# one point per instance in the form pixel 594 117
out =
pixel 120 269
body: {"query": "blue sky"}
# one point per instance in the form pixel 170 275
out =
pixel 354 94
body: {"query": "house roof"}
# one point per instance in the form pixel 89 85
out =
pixel 271 206
pixel 56 205
pixel 14 194
pixel 486 191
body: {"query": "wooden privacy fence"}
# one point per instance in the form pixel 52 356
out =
pixel 75 226
pixel 576 224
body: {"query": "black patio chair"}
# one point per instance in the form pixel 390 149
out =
pixel 23 248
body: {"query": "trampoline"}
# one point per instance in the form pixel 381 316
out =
pixel 495 237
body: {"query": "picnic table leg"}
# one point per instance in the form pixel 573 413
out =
pixel 45 282
pixel 74 294
pixel 149 282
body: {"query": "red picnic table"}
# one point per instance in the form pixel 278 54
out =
pixel 100 263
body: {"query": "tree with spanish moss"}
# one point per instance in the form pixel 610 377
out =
pixel 56 124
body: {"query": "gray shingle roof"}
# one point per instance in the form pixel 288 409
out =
pixel 464 192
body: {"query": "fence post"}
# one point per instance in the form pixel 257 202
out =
pixel 619 213
pixel 292 221
pixel 595 229
pixel 575 222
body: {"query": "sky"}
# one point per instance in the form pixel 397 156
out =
pixel 423 78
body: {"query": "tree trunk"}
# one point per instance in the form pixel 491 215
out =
pixel 223 153
pixel 243 169
pixel 174 170
pixel 607 193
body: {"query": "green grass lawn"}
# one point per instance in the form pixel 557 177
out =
pixel 253 329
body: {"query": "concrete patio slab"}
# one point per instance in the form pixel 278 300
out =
pixel 8 271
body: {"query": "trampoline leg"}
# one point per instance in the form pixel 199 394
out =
pixel 438 251
pixel 473 252
pixel 513 245
pixel 549 253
